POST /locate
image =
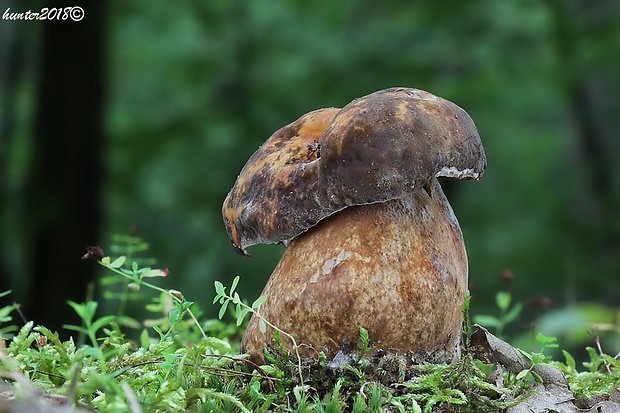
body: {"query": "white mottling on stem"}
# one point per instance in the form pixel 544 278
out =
pixel 332 263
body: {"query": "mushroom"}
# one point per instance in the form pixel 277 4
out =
pixel 371 239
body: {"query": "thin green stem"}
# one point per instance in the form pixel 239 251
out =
pixel 157 288
pixel 267 322
pixel 295 347
pixel 125 294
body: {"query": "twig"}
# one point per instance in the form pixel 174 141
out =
pixel 238 373
pixel 58 376
pixel 362 389
pixel 262 373
pixel 19 311
pixel 597 340
pixel 254 365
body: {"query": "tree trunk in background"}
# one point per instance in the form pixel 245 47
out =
pixel 11 67
pixel 64 187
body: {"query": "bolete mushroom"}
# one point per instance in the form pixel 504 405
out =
pixel 371 239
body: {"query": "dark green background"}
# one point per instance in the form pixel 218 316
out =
pixel 138 119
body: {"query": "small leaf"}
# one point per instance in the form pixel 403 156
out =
pixel 234 284
pixel 217 343
pixel 127 321
pixel 134 266
pixel 537 358
pixel 262 326
pixel 525 353
pixel 487 321
pixel 173 315
pixel 522 374
pixel 236 298
pixel 241 315
pixel 159 331
pixel 105 261
pixel 467 302
pixel 258 302
pixel 91 307
pixel 546 341
pixel 156 273
pixel 570 361
pixel 135 287
pixel 536 376
pixel 364 334
pixel 219 289
pixel 85 311
pixel 612 361
pixel 223 309
pixel 102 322
pixel 74 328
pixel 513 313
pixel 502 298
pixel 118 263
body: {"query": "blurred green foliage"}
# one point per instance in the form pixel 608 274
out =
pixel 193 89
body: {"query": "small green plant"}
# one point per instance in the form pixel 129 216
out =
pixel 537 358
pixel 136 279
pixel 91 325
pixel 242 310
pixel 461 386
pixel 6 332
pixel 364 344
pixel 507 313
pixel 467 330
pixel 601 376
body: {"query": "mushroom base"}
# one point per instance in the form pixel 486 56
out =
pixel 398 269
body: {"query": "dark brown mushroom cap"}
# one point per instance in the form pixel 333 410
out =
pixel 378 147
pixel 275 196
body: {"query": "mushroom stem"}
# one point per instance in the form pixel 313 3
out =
pixel 398 269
